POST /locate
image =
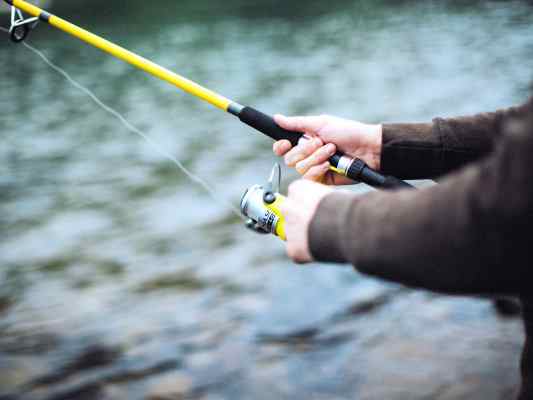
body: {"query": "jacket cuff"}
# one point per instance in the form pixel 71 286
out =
pixel 325 233
pixel 411 151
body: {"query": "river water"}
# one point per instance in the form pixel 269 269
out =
pixel 119 278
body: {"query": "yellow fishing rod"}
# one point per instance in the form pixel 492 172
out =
pixel 353 168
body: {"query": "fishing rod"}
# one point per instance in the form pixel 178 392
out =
pixel 340 163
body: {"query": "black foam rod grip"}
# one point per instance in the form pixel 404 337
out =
pixel 265 124
pixel 360 171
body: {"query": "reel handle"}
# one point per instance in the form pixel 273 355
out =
pixel 353 168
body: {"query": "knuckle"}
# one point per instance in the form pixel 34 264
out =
pixel 318 156
pixel 288 159
pixel 282 147
pixel 314 172
pixel 325 152
pixel 298 122
pixel 310 145
pixel 311 163
pixel 316 143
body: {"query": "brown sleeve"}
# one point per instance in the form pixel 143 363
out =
pixel 421 151
pixel 469 234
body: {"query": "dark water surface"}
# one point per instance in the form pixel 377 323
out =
pixel 121 279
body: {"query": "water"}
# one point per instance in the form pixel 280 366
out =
pixel 109 250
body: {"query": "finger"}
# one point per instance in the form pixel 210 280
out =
pixel 310 124
pixel 316 173
pixel 281 147
pixel 293 253
pixel 304 149
pixel 318 157
pixel 304 139
pixel 297 255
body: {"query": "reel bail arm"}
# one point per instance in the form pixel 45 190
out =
pixel 269 195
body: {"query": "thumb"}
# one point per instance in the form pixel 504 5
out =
pixel 310 125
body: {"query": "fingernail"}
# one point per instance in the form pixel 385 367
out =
pixel 331 148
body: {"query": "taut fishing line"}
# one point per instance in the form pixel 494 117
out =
pixel 129 126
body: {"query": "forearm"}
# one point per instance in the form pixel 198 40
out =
pixel 462 236
pixel 421 151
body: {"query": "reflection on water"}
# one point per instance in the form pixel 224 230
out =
pixel 121 279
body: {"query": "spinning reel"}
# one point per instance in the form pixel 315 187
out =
pixel 261 205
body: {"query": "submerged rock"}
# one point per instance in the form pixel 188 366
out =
pixel 92 357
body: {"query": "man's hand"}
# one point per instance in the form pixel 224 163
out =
pixel 328 134
pixel 298 210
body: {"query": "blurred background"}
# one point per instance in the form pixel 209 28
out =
pixel 120 279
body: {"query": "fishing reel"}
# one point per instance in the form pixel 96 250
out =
pixel 20 26
pixel 261 205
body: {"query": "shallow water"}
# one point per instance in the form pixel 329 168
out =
pixel 108 250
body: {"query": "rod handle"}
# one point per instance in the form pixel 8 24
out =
pixel 265 124
pixel 355 169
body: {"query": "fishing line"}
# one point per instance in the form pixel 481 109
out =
pixel 129 126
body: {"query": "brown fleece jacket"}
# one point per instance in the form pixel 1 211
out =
pixel 468 235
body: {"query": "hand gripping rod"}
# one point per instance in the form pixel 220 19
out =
pixel 353 168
